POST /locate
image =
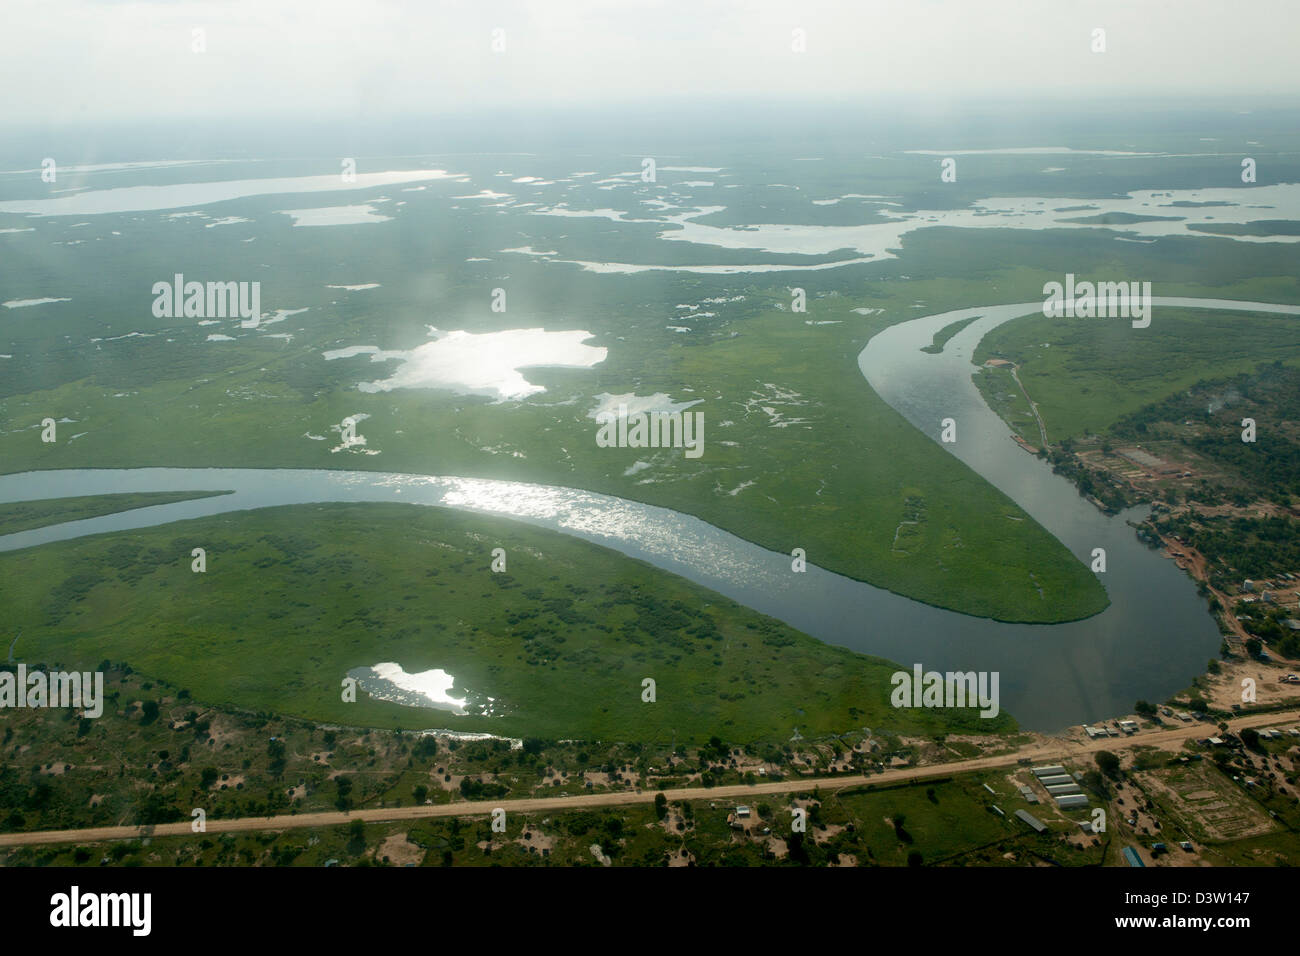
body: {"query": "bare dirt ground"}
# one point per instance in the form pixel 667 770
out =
pixel 1225 689
pixel 399 851
pixel 1223 816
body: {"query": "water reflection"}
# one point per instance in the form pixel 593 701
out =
pixel 1149 643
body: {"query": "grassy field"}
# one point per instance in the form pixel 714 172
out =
pixel 293 598
pixel 1087 373
pixel 799 452
pixel 1004 396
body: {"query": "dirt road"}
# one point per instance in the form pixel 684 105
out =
pixel 1033 406
pixel 1052 750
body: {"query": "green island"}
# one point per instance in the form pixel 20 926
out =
pixel 26 515
pixel 350 586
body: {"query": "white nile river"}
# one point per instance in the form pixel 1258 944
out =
pixel 1152 639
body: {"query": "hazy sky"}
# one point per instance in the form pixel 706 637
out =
pixel 61 59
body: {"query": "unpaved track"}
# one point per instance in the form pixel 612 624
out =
pixel 1033 407
pixel 1052 750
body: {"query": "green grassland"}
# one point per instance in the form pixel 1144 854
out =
pixel 1086 374
pixel 25 515
pixel 834 483
pixel 295 597
pixel 833 469
pixel 1005 397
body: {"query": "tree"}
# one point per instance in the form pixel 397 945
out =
pixel 1094 781
pixel 154 809
pixel 344 801
pixel 914 858
pixel 795 849
pixel 276 754
pixel 661 805
pixel 149 711
pixel 1254 646
pixel 1250 737
pixel 1108 763
pixel 1145 708
pixel 357 839
pixel 421 793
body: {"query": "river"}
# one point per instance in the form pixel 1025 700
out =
pixel 1156 635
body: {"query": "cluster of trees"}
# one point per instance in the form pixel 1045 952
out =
pixel 1089 481
pixel 472 789
pixel 1108 764
pixel 1266 468
pixel 276 756
pixel 1270 626
pixel 662 623
pixel 132 563
pixel 1251 547
pixel 71 590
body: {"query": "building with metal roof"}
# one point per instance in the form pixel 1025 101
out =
pixel 1056 780
pixel 1036 824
